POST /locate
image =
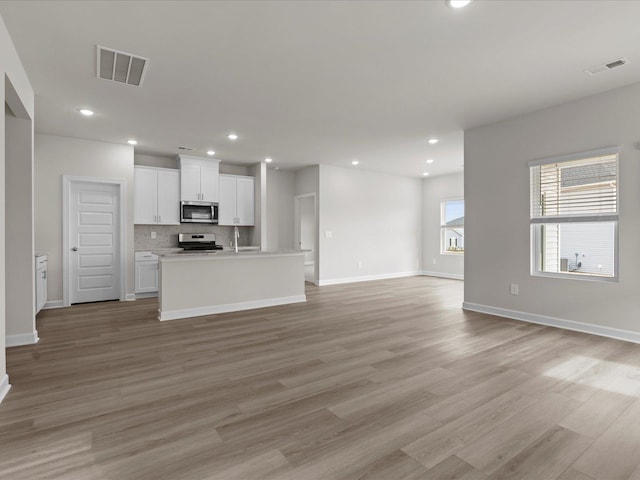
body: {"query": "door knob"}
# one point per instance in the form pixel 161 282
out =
pixel 74 249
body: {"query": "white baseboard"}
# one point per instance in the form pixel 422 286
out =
pixel 22 339
pixel 53 304
pixel 146 295
pixel 130 297
pixel 609 332
pixel 366 278
pixel 4 386
pixel 453 276
pixel 229 307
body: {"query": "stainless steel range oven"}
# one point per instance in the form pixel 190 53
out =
pixel 198 212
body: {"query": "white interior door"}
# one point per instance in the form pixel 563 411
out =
pixel 94 242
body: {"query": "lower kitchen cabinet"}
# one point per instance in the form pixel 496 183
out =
pixel 146 272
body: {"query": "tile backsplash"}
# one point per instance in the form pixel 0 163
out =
pixel 167 235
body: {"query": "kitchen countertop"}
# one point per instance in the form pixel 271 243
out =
pixel 221 254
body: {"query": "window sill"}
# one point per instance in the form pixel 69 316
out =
pixel 587 277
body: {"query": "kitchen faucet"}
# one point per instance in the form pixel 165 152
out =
pixel 236 236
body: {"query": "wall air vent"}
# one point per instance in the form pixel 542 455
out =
pixel 121 67
pixel 605 67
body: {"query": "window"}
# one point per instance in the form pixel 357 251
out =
pixel 452 226
pixel 574 215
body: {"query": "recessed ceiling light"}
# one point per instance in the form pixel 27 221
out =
pixel 86 112
pixel 430 160
pixel 210 152
pixel 132 142
pixel 433 141
pixel 232 136
pixel 268 160
pixel 457 3
pixel 425 174
pixel 355 162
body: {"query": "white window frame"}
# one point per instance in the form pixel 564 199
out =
pixel 444 227
pixel 536 240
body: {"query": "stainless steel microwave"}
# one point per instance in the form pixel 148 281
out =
pixel 198 212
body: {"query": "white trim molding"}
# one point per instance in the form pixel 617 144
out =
pixel 229 307
pixel 366 278
pixel 4 386
pixel 22 339
pixel 600 330
pixel 53 304
pixel 146 295
pixel 453 276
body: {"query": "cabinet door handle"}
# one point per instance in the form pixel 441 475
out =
pixel 44 275
pixel 159 219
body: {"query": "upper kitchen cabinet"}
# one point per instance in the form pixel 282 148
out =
pixel 236 200
pixel 199 179
pixel 156 196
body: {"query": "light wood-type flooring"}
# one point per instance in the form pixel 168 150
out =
pixel 385 380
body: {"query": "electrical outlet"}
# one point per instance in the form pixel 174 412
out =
pixel 515 289
pixel 359 264
pixel 434 261
pixel 153 235
pixel 328 234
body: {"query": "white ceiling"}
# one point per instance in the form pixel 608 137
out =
pixel 317 81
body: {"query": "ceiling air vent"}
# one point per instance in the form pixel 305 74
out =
pixel 121 67
pixel 605 67
pixel 188 149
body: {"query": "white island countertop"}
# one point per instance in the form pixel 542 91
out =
pixel 221 254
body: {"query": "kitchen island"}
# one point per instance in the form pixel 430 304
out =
pixel 194 284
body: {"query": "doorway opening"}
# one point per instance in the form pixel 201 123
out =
pixel 306 233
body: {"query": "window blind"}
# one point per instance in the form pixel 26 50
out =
pixel 576 190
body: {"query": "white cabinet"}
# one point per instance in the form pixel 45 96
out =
pixel 146 272
pixel 156 196
pixel 236 200
pixel 41 281
pixel 199 179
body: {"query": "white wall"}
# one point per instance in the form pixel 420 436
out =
pixel 157 161
pixel 161 161
pixel 280 193
pixel 308 180
pixel 19 235
pixel 259 172
pixel 497 211
pixel 434 191
pixel 374 222
pixel 230 169
pixel 11 72
pixel 57 156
